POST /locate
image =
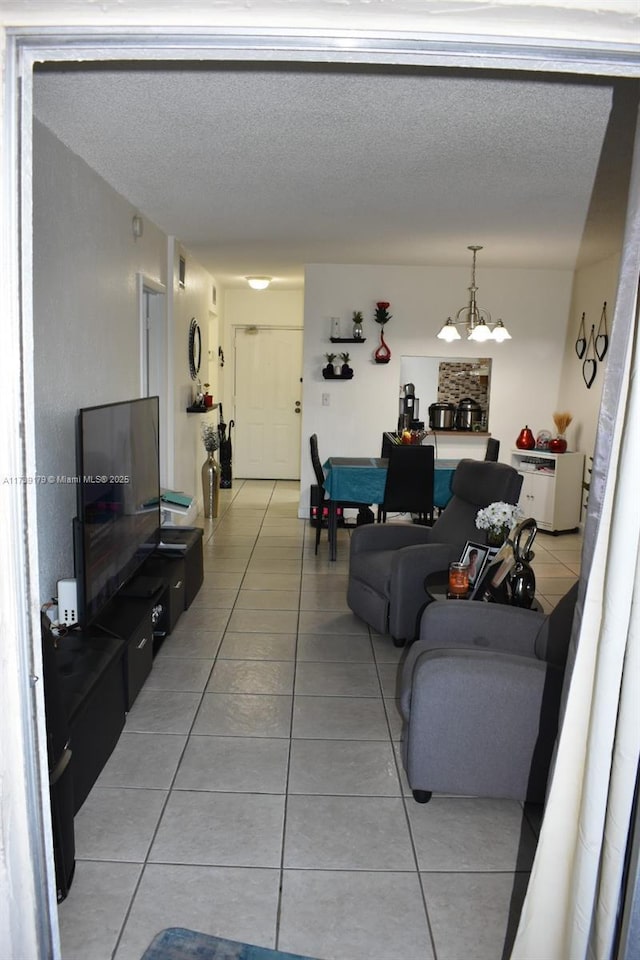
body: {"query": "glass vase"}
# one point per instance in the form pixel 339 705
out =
pixel 383 353
pixel 558 444
pixel 496 536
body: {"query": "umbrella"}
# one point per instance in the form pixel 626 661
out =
pixel 222 427
pixel 225 458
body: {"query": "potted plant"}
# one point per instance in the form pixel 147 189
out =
pixel 357 325
pixel 329 370
pixel 345 369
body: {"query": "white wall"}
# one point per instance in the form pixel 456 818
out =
pixel 526 370
pixel 194 300
pixel 591 287
pixel 86 330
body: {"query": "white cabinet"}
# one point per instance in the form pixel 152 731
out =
pixel 551 487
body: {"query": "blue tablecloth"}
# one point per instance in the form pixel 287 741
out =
pixel 362 479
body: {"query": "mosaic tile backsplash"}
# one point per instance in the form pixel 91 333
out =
pixel 458 379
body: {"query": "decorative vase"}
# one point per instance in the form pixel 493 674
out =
pixel 382 354
pixel 357 329
pixel 526 439
pixel 345 370
pixel 558 444
pixel 210 485
pixel 496 536
pixel 523 585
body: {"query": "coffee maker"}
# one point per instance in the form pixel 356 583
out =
pixel 409 407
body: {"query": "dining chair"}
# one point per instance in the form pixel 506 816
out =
pixel 493 449
pixel 319 499
pixel 409 483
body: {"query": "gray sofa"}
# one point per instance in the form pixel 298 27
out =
pixel 388 563
pixel 480 698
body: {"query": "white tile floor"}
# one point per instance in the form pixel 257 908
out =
pixel 256 791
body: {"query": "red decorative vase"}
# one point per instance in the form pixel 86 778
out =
pixel 382 354
pixel 526 439
pixel 557 444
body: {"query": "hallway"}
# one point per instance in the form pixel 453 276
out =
pixel 257 793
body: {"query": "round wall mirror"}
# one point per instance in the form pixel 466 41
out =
pixel 195 348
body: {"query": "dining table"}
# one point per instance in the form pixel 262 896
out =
pixel 362 480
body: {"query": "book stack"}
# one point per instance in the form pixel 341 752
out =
pixel 175 504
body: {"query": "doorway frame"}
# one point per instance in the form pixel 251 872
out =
pixel 150 291
pixel 23 765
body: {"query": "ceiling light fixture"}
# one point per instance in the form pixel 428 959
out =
pixel 477 322
pixel 258 283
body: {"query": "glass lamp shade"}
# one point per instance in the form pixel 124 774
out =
pixel 258 283
pixel 480 333
pixel 449 332
pixel 500 332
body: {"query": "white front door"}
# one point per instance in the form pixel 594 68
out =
pixel 267 403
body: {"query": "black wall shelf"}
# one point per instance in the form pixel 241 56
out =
pixel 347 339
pixel 214 406
pixel 337 376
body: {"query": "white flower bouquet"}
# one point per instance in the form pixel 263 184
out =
pixel 210 437
pixel 497 519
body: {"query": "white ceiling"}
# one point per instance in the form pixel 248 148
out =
pixel 260 170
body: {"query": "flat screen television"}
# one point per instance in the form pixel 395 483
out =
pixel 118 522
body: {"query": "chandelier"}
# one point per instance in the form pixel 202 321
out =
pixel 476 321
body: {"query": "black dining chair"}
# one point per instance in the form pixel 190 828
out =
pixel 409 484
pixel 493 449
pixel 319 499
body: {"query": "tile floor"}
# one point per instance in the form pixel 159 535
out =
pixel 256 791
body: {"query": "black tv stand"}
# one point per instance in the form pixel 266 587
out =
pixel 94 674
pixel 142 587
pixel 131 619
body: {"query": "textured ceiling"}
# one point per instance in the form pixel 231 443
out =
pixel 261 170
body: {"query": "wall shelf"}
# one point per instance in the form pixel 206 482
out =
pixel 337 376
pixel 347 339
pixel 194 409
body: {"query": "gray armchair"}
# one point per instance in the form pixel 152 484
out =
pixel 388 563
pixel 480 698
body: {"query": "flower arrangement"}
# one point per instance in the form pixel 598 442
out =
pixel 382 314
pixel 497 519
pixel 210 437
pixel 562 421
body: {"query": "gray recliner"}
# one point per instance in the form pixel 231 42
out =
pixel 480 697
pixel 388 563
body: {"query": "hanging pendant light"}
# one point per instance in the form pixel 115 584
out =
pixel 449 332
pixel 476 321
